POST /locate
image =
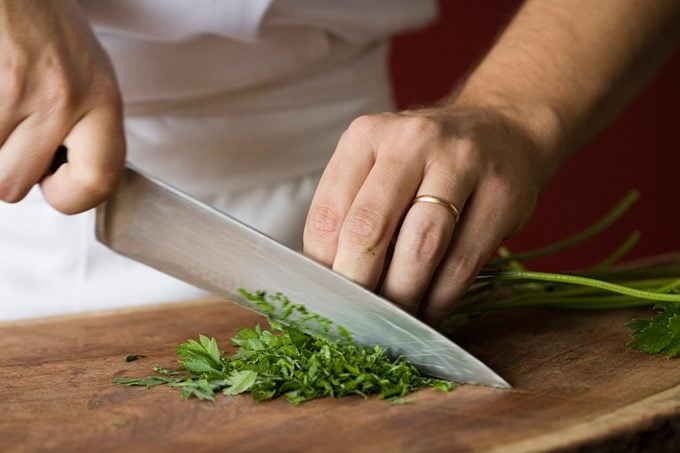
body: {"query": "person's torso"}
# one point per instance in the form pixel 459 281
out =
pixel 179 50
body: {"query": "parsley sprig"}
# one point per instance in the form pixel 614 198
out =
pixel 287 360
pixel 508 284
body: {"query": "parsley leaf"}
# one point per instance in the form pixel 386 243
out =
pixel 660 334
pixel 240 382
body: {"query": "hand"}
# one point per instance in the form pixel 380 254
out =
pixel 479 160
pixel 57 87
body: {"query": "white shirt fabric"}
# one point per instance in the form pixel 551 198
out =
pixel 237 102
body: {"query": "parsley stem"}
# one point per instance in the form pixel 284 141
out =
pixel 618 253
pixel 670 271
pixel 613 215
pixel 589 282
pixel 651 284
pixel 504 252
pixel 568 296
pixel 670 287
pixel 587 302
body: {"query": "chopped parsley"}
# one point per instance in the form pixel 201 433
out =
pixel 286 360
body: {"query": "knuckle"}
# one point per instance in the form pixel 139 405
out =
pixel 504 190
pixel 12 89
pixel 467 147
pixel 107 92
pixel 58 94
pixel 323 221
pixel 365 226
pixel 420 126
pixel 469 157
pixel 463 268
pixel 13 69
pixel 499 172
pixel 425 242
pixel 14 62
pixel 364 125
pixel 362 122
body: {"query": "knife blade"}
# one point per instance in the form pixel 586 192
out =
pixel 156 224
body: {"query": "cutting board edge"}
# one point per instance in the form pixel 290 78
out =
pixel 623 422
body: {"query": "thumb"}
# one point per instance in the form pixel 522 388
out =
pixel 95 162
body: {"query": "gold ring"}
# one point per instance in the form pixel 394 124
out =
pixel 436 200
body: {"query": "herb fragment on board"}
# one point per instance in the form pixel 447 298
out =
pixel 133 357
pixel 660 334
pixel 290 361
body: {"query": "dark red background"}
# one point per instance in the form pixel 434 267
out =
pixel 641 149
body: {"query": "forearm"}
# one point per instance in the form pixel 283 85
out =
pixel 566 69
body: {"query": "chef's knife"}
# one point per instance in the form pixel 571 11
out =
pixel 153 223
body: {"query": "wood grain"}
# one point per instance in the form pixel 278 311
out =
pixel 576 386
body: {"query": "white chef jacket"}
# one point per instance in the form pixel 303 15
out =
pixel 239 103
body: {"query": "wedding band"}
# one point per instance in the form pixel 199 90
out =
pixel 436 200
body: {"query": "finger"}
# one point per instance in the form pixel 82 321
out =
pixel 341 180
pixel 26 154
pixel 486 222
pixel 96 159
pixel 12 112
pixel 425 234
pixel 8 123
pixel 375 213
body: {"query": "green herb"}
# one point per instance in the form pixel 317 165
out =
pixel 288 361
pixel 601 287
pixel 119 422
pixel 659 335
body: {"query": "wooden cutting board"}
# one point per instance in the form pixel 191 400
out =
pixel 576 385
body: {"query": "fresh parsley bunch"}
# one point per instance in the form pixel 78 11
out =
pixel 508 284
